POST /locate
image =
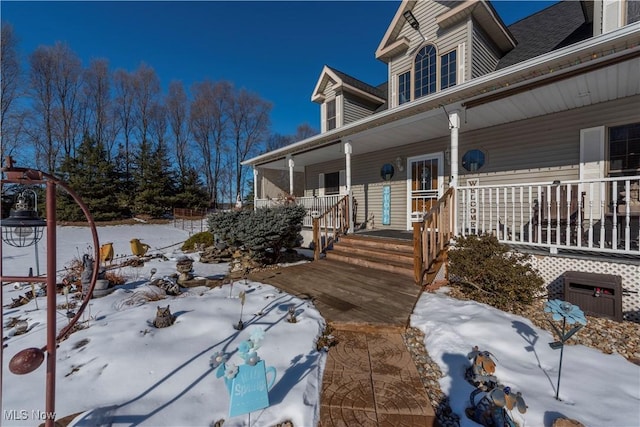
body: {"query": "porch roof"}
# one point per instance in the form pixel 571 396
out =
pixel 599 69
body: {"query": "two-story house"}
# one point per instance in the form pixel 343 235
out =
pixel 535 126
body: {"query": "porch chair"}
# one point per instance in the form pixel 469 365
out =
pixel 543 219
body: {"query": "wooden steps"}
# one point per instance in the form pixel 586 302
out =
pixel 380 253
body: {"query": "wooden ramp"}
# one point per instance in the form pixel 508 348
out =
pixel 348 296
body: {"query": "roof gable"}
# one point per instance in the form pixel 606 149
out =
pixel 347 83
pixel 393 44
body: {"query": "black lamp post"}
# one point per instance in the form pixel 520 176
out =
pixel 24 228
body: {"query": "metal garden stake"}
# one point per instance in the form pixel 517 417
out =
pixel 569 314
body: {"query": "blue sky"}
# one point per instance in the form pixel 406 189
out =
pixel 276 49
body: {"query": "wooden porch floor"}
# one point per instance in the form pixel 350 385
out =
pixel 348 296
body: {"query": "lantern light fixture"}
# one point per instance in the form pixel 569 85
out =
pixel 23 227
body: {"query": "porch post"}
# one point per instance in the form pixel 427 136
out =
pixel 454 125
pixel 291 165
pixel 348 149
pixel 255 186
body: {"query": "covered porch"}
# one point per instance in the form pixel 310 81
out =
pixel 541 128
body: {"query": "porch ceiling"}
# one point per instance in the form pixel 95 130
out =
pixel 598 80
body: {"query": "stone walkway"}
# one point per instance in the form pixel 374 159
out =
pixel 371 380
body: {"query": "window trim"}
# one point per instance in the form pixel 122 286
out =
pixel 454 68
pixel 334 117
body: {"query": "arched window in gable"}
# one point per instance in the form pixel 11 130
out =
pixel 425 71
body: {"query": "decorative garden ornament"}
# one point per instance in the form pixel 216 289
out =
pixel 569 314
pixel 494 407
pixel 481 371
pixel 248 384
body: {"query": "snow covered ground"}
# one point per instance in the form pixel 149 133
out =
pixel 122 371
pixel 595 388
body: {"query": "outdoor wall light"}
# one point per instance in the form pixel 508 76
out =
pixel 23 227
pixel 411 20
pixel 399 163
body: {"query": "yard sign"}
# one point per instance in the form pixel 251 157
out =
pixel 249 389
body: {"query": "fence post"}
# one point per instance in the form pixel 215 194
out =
pixel 417 252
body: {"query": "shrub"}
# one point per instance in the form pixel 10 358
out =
pixel 264 232
pixel 203 239
pixel 493 273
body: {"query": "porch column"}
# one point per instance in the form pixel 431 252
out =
pixel 291 165
pixel 454 125
pixel 255 186
pixel 348 149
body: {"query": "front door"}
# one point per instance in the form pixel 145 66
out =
pixel 424 184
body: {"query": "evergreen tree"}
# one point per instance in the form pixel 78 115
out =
pixel 155 181
pixel 191 193
pixel 93 178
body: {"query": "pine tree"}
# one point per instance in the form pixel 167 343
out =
pixel 93 178
pixel 155 181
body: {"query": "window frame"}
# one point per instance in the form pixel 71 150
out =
pixel 406 90
pixel 626 168
pixel 429 65
pixel 331 121
pixel 453 70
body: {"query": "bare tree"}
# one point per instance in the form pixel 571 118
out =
pixel 100 121
pixel 146 88
pixel 10 84
pixel 249 125
pixel 42 91
pixel 304 131
pixel 209 126
pixel 67 84
pixel 124 89
pixel 178 116
pixel 158 123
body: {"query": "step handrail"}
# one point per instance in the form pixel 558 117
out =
pixel 432 234
pixel 328 225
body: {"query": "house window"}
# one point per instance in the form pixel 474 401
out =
pixel 425 71
pixel 404 88
pixel 448 70
pixel 331 114
pixel 332 183
pixel 624 150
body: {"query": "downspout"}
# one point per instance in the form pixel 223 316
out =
pixel 454 125
pixel 348 149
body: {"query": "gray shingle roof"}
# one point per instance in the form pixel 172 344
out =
pixel 359 84
pixel 556 26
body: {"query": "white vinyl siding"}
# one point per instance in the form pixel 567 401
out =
pixel 355 108
pixel 484 55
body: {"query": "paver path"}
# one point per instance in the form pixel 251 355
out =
pixel 371 380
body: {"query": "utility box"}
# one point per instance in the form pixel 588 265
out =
pixel 596 294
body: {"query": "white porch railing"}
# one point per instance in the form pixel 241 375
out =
pixel 319 204
pixel 600 215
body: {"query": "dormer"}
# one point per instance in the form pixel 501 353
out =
pixel 433 45
pixel 609 15
pixel 344 99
